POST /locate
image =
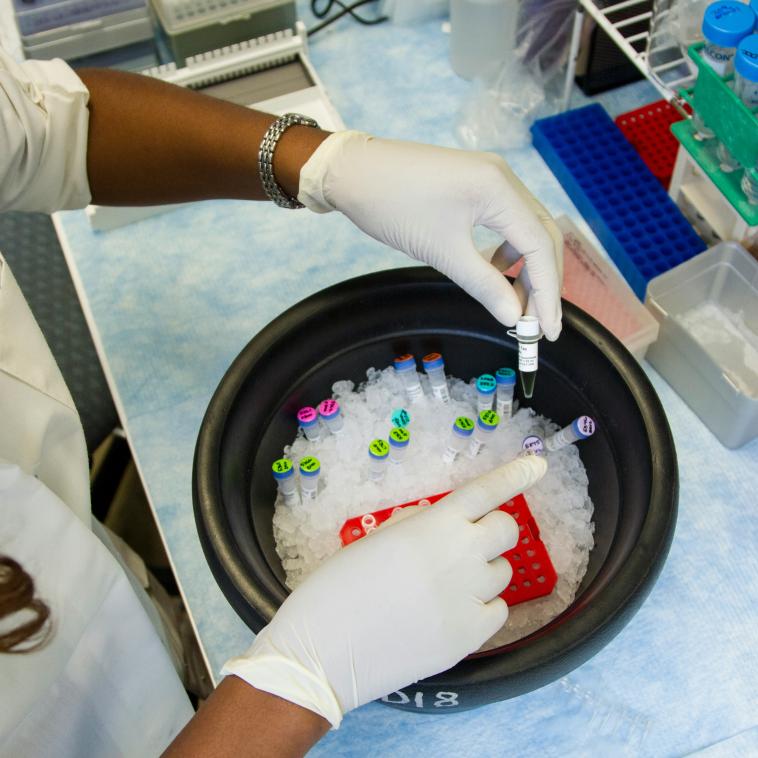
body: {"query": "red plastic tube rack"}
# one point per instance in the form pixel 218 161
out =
pixel 533 572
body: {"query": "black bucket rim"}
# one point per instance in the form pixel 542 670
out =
pixel 527 666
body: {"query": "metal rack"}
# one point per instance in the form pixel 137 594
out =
pixel 656 55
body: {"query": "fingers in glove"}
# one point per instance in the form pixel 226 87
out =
pixel 530 229
pixel 496 532
pixel 496 614
pixel 493 579
pixel 483 494
pixel 486 284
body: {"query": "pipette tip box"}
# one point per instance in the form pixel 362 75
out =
pixel 625 205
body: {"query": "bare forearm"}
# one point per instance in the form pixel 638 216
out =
pixel 150 142
pixel 239 720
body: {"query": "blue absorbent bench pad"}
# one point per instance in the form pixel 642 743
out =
pixel 639 225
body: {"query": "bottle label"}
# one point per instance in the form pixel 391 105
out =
pixel 527 356
pixel 328 407
pixel 400 417
pixel 486 383
pixel 281 466
pixel 586 425
pixel 309 465
pixel 533 444
pixel 464 423
pixel 307 415
pixel 399 434
pixel 379 448
pixel 489 418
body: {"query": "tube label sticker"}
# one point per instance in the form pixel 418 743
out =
pixel 309 465
pixel 281 466
pixel 328 407
pixel 486 383
pixel 489 419
pixel 533 445
pixel 399 434
pixel 379 448
pixel 401 417
pixel 464 423
pixel 527 356
pixel 307 415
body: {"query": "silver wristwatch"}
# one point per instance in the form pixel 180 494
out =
pixel 266 158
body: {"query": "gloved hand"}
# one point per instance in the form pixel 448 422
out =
pixel 425 201
pixel 406 602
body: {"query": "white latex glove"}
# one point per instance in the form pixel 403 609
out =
pixel 408 601
pixel 425 201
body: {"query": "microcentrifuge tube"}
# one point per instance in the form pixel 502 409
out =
pixel 485 391
pixel 284 476
pixel 400 417
pixel 532 445
pixel 506 384
pixel 460 435
pixel 579 429
pixel 310 469
pixel 405 368
pixel 486 424
pixel 329 411
pixel 434 366
pixel 378 456
pixel 528 334
pixel 307 418
pixel 399 440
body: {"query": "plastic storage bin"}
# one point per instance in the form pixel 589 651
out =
pixel 196 26
pixel 593 283
pixel 98 34
pixel 707 348
pixel 41 15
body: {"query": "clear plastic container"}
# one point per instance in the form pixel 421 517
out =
pixel 307 419
pixel 482 33
pixel 459 437
pixel 378 458
pixel 405 368
pixel 707 349
pixel 42 15
pixel 330 413
pixel 310 471
pixel 725 24
pixel 399 440
pixel 486 424
pixel 434 366
pixel 486 386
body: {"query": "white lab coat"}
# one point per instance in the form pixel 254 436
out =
pixel 104 685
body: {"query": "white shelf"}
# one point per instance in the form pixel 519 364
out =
pixel 658 59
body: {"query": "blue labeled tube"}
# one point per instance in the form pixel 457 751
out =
pixel 399 440
pixel 485 426
pixel 378 457
pixel 579 429
pixel 434 365
pixel 506 385
pixel 459 437
pixel 330 413
pixel 284 476
pixel 485 392
pixel 310 470
pixel 405 368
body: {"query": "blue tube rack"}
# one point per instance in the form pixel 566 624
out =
pixel 639 225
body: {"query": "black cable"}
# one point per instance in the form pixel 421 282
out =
pixel 345 10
